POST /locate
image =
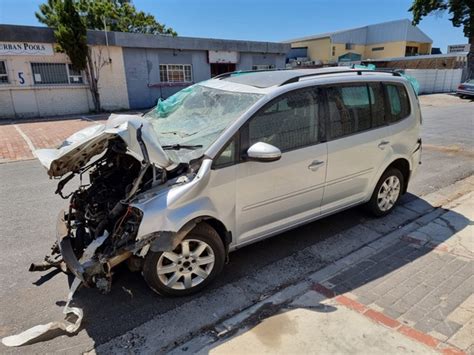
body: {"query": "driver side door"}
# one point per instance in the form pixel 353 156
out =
pixel 274 196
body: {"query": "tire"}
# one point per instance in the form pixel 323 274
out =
pixel 187 274
pixel 387 192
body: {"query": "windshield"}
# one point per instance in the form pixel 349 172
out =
pixel 196 116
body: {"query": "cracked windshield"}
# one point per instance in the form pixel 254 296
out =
pixel 194 117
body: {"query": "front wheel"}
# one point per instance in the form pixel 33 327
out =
pixel 387 192
pixel 192 265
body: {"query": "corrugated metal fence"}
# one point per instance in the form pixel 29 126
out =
pixel 436 80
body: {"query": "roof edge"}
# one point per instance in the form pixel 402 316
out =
pixel 14 33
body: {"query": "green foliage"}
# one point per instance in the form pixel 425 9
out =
pixel 71 34
pixel 462 12
pixel 119 15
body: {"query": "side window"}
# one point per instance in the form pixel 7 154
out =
pixel 398 102
pixel 349 110
pixel 227 157
pixel 288 123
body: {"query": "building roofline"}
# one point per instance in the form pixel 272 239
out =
pixel 329 34
pixel 16 33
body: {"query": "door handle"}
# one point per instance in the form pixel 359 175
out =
pixel 382 144
pixel 315 165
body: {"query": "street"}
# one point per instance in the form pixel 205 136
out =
pixel 28 210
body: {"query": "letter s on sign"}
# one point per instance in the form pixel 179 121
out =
pixel 21 78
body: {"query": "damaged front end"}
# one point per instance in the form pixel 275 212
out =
pixel 101 209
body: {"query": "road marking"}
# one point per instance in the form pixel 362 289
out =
pixel 27 140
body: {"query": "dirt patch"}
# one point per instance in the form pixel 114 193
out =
pixel 442 100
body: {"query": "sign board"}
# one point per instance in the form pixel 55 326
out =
pixel 457 48
pixel 26 48
pixel 223 57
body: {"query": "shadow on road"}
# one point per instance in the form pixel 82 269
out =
pixel 131 303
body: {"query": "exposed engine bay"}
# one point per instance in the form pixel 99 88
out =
pixel 100 208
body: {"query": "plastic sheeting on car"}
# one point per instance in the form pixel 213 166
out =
pixel 197 115
pixel 414 83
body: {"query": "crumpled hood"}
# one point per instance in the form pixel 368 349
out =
pixel 77 150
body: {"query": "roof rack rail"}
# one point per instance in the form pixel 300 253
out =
pixel 228 74
pixel 358 71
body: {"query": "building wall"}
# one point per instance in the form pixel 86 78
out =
pixel 247 60
pixel 142 70
pixel 391 49
pixel 423 48
pixel 22 98
pixel 318 49
pixel 112 82
pixel 340 49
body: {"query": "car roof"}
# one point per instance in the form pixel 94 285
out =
pixel 270 78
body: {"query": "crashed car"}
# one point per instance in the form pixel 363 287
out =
pixel 227 162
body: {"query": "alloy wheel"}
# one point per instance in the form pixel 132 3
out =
pixel 388 193
pixel 187 266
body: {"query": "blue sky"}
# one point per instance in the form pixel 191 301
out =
pixel 267 20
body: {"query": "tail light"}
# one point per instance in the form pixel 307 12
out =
pixel 461 87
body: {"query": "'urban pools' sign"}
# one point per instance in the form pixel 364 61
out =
pixel 26 48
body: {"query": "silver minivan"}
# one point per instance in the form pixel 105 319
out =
pixel 225 163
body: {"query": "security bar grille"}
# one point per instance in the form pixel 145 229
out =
pixel 3 73
pixel 176 73
pixel 55 73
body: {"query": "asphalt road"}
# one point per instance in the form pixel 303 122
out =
pixel 28 209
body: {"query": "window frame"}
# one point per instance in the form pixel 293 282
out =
pixel 184 66
pixel 68 75
pixel 6 73
pixel 237 153
pixel 245 129
pixel 324 93
pixel 388 110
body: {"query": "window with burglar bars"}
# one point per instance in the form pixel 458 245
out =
pixel 176 73
pixel 3 73
pixel 55 73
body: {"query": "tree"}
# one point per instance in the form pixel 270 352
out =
pixel 462 12
pixel 118 15
pixel 72 18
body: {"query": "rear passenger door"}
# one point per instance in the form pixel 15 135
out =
pixel 356 131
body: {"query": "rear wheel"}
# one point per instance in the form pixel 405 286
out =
pixel 387 193
pixel 190 267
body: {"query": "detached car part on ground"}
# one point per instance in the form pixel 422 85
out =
pixel 148 189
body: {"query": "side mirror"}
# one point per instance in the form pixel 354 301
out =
pixel 263 152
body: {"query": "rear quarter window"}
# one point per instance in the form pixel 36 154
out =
pixel 398 103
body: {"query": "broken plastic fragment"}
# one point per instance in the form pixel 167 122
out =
pixel 41 330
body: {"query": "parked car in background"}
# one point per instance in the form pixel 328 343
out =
pixel 228 162
pixel 466 89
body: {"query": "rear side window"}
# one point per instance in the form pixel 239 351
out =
pixel 355 108
pixel 289 122
pixel 349 110
pixel 398 102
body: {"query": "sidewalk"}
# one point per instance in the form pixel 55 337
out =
pixel 408 292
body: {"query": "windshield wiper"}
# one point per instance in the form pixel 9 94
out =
pixel 181 146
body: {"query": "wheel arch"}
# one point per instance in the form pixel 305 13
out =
pixel 167 241
pixel 403 165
